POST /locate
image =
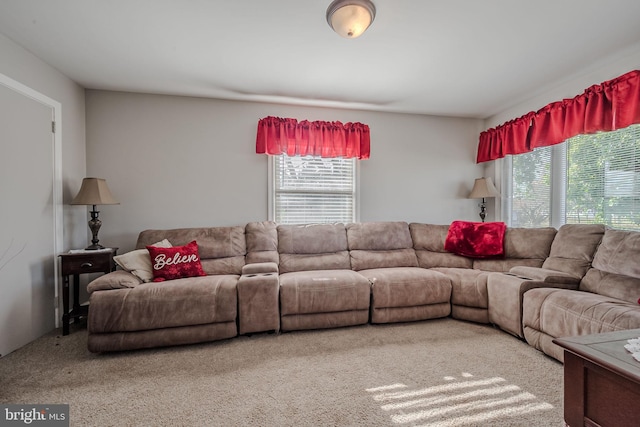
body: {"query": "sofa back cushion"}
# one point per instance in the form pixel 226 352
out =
pixel 262 242
pixel 573 248
pixel 222 250
pixel 619 253
pixel 616 267
pixel 380 245
pixel 428 242
pixel 522 247
pixel 313 247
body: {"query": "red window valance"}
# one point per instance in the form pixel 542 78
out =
pixel 323 139
pixel 614 104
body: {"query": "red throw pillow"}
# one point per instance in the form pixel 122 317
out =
pixel 176 262
pixel 476 239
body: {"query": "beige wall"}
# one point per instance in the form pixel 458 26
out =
pixel 183 162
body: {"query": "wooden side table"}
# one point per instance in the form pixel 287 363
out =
pixel 77 263
pixel 601 380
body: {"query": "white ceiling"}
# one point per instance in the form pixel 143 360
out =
pixel 466 58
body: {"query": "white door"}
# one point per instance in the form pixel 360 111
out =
pixel 27 223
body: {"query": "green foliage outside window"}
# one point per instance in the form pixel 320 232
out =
pixel 601 181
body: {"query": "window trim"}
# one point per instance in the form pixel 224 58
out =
pixel 271 189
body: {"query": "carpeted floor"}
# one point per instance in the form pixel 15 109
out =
pixel 434 373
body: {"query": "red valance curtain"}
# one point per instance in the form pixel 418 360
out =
pixel 324 139
pixel 614 104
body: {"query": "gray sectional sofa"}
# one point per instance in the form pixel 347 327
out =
pixel 265 277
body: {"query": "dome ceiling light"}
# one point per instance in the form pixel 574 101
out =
pixel 350 18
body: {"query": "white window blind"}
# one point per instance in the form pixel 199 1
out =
pixel 603 178
pixel 597 180
pixel 313 190
pixel 530 196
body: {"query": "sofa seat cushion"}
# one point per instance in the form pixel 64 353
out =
pixel 323 291
pixel 468 287
pixel 407 287
pixel 562 312
pixel 173 303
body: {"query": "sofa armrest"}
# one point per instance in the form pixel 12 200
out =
pixel 260 267
pixel 532 284
pixel 119 279
pixel 544 275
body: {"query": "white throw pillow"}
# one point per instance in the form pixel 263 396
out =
pixel 138 262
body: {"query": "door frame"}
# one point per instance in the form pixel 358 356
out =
pixel 56 176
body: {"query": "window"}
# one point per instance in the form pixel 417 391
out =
pixel 530 189
pixel 313 190
pixel 587 179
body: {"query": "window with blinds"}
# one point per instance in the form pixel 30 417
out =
pixel 603 178
pixel 313 190
pixel 597 181
pixel 530 195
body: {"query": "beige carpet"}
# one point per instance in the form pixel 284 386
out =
pixel 434 373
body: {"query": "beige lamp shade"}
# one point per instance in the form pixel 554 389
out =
pixel 94 191
pixel 482 188
pixel 350 18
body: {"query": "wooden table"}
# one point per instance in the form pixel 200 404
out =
pixel 601 380
pixel 74 264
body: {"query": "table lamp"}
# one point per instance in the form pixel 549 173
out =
pixel 94 191
pixel 483 188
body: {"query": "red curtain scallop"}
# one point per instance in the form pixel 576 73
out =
pixel 323 139
pixel 614 104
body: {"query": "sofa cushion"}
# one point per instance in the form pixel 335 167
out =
pixel 361 260
pixel 527 247
pixel 573 248
pixel 222 249
pixel 174 303
pixel 530 243
pixel 115 280
pixel 612 285
pixel 380 245
pixel 561 312
pixel 543 275
pixel 177 262
pixel 407 287
pixel 262 242
pixel 428 242
pixel 379 236
pixel 138 262
pixel 468 286
pixel 323 291
pixel 619 253
pixel 504 265
pixel 311 238
pixel 313 247
pixel 260 268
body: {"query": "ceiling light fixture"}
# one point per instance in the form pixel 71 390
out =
pixel 350 18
